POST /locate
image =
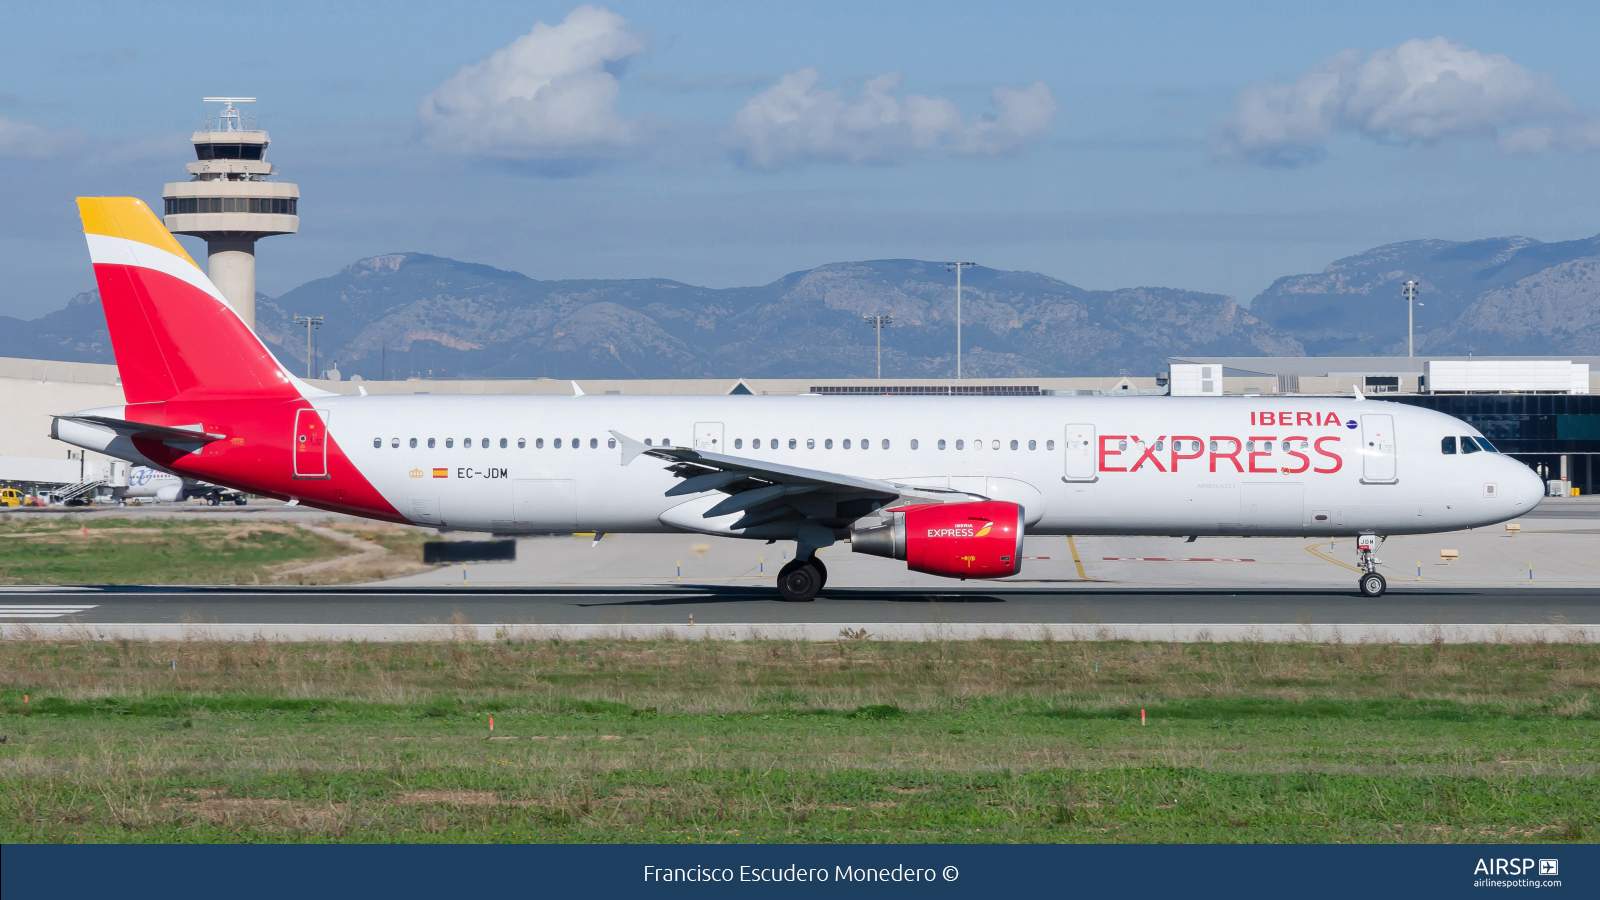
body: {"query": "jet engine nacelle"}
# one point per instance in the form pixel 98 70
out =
pixel 982 539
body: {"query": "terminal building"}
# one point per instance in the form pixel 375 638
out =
pixel 1544 411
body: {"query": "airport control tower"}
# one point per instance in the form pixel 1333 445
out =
pixel 230 204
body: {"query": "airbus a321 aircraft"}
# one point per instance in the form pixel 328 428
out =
pixel 950 485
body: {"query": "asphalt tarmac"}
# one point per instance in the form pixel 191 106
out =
pixel 723 604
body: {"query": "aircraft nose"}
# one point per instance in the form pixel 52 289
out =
pixel 1525 488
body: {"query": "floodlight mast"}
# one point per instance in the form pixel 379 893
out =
pixel 878 322
pixel 309 322
pixel 1410 293
pixel 958 266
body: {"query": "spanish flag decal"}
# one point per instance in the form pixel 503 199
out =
pixel 441 473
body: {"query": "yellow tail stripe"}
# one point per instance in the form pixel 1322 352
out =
pixel 129 218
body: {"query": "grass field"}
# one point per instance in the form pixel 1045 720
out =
pixel 36 549
pixel 849 741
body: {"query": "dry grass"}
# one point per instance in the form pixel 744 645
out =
pixel 700 677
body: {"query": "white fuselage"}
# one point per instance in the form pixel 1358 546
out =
pixel 1321 476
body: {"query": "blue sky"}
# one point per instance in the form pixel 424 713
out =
pixel 1211 147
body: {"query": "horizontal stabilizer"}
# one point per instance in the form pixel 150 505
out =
pixel 180 434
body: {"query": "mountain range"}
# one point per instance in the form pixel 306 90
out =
pixel 414 314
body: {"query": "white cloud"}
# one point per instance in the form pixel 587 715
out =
pixel 25 140
pixel 548 95
pixel 794 121
pixel 1425 91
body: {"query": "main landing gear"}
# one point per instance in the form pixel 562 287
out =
pixel 1371 583
pixel 800 579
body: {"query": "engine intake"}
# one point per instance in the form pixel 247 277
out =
pixel 982 539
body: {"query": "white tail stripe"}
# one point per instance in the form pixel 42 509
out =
pixel 116 251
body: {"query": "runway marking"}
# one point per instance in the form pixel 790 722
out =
pixel 1073 546
pixel 39 611
pixel 1172 559
pixel 1312 549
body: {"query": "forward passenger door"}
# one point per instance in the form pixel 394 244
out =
pixel 1378 449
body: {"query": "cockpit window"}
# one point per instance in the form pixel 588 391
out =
pixel 1484 443
pixel 1468 445
pixel 1448 446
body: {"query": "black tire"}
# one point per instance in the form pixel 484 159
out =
pixel 1372 585
pixel 239 501
pixel 799 581
pixel 822 571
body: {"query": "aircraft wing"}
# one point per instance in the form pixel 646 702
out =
pixel 768 492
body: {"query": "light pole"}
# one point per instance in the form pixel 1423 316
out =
pixel 309 322
pixel 1410 293
pixel 958 266
pixel 877 322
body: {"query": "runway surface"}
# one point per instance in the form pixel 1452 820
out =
pixel 721 605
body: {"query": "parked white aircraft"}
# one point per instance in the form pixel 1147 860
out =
pixel 145 483
pixel 948 484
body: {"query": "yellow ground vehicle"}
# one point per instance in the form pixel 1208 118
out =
pixel 10 497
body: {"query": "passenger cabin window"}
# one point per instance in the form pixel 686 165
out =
pixel 738 443
pixel 941 443
pixel 430 443
pixel 594 443
pixel 611 443
pixel 961 445
pixel 791 443
pixel 449 442
pixel 377 442
pixel 845 444
pixel 827 444
pixel 913 443
pixel 1468 445
pixel 502 443
pixel 485 443
pixel 538 443
pixel 754 445
pixel 576 443
pixel 1448 446
pixel 557 443
pixel 1013 445
pixel 885 443
pixel 466 442
pixel 1049 445
pixel 1034 445
pixel 522 443
pixel 811 444
pixel 413 443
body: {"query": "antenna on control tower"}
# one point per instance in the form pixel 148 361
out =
pixel 230 203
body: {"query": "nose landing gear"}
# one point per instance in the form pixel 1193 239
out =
pixel 1371 583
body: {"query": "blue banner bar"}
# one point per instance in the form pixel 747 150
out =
pixel 1233 871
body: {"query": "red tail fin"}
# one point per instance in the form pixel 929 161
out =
pixel 174 335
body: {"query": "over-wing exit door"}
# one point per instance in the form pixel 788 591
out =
pixel 1080 453
pixel 708 436
pixel 311 443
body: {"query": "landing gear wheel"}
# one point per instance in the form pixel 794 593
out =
pixel 799 581
pixel 1373 585
pixel 822 571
